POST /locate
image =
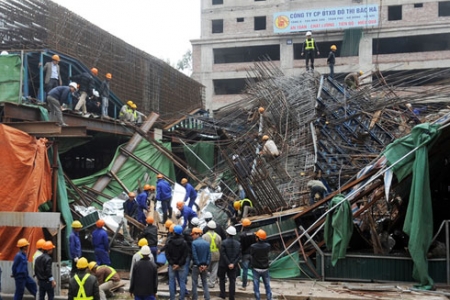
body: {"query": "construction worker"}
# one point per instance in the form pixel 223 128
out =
pixel 259 252
pixel 142 204
pixel 164 194
pixel 104 92
pixel 144 277
pixel 101 244
pixel 170 227
pixel 130 208
pixel 75 245
pixel 230 254
pixel 352 80
pixel 58 96
pixel 176 254
pixel 87 88
pixel 83 285
pixel 20 271
pixel 201 258
pixel 309 49
pixel 107 278
pixel 317 190
pixel 269 148
pixel 219 229
pixel 215 241
pixel 151 197
pixel 247 238
pixel 186 212
pixel 52 73
pixel 150 233
pixel 331 60
pixel 135 114
pixel 191 194
pixel 39 250
pixel 43 272
pixel 126 112
pixel 243 207
pixel 138 255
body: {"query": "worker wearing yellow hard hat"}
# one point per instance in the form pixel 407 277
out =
pixel 20 271
pixel 331 60
pixel 83 283
pixel 75 244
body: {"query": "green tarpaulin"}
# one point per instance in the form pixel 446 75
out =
pixel 132 171
pixel 419 215
pixel 10 68
pixel 338 228
pixel 286 267
pixel 198 155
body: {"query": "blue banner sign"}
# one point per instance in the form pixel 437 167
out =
pixel 326 18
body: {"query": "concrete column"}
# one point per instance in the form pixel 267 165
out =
pixel 287 55
pixel 365 54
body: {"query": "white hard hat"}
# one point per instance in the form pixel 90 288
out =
pixel 95 93
pixel 195 221
pixel 74 85
pixel 145 250
pixel 231 230
pixel 308 33
pixel 211 224
pixel 207 215
pixel 235 156
pixel 4 52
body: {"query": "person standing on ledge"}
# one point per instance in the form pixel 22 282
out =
pixel 309 49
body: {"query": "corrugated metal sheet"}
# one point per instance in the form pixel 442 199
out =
pixel 34 219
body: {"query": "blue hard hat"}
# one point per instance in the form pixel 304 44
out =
pixel 178 229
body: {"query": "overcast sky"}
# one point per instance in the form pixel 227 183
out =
pixel 160 28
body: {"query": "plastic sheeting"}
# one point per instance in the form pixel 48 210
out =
pixel 10 68
pixel 25 184
pixel 286 267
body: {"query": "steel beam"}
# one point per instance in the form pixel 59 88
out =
pixel 32 113
pixel 49 129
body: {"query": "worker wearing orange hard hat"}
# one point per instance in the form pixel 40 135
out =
pixel 130 208
pixel 20 271
pixel 150 233
pixel 52 73
pixel 101 244
pixel 104 92
pixel 142 204
pixel 87 89
pixel 164 195
pixel 260 263
pixel 191 194
pixel 43 272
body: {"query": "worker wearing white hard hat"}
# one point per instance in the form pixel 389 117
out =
pixel 309 49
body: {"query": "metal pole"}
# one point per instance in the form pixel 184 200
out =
pixel 447 244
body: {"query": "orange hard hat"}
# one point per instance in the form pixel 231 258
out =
pixel 108 75
pixel 261 109
pixel 171 227
pixel 48 245
pixel 160 175
pixel 147 187
pixel 180 204
pixel 100 223
pixel 196 230
pixel 261 234
pixel 94 71
pixel 22 243
pixel 184 181
pixel 246 222
pixel 152 188
pixel 55 57
pixel 168 223
pixel 131 194
pixel 40 243
pixel 150 220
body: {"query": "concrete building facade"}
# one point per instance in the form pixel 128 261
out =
pixel 398 36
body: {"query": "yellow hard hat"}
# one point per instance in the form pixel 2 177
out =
pixel 237 205
pixel 360 73
pixel 130 103
pixel 55 57
pixel 22 243
pixel 82 263
pixel 265 137
pixel 134 106
pixel 92 265
pixel 77 224
pixel 142 242
pixel 333 47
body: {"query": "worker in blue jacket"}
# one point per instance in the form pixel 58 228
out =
pixel 101 244
pixel 20 271
pixel 191 194
pixel 186 212
pixel 164 194
pixel 142 205
pixel 75 245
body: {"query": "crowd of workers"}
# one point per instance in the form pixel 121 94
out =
pixel 86 98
